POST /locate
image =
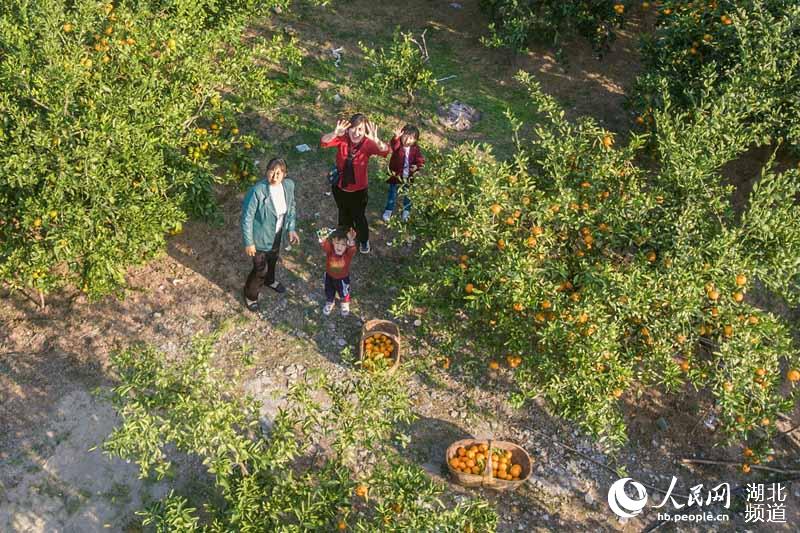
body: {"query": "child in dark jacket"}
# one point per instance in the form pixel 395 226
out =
pixel 339 247
pixel 406 160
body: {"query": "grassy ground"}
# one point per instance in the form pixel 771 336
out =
pixel 51 359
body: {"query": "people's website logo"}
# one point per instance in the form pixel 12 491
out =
pixel 765 502
pixel 628 498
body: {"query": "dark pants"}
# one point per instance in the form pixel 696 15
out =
pixel 352 211
pixel 263 272
pixel 391 198
pixel 333 286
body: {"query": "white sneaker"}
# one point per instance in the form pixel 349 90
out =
pixel 327 309
pixel 405 215
pixel 386 216
pixel 345 308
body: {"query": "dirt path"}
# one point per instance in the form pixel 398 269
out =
pixel 51 360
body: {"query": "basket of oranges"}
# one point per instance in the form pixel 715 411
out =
pixel 494 464
pixel 380 345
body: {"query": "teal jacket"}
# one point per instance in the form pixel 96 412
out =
pixel 259 219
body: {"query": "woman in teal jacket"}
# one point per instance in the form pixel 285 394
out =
pixel 268 217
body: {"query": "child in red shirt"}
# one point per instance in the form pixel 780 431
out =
pixel 406 160
pixel 340 247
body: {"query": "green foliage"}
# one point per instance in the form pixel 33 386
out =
pixel 326 462
pixel 603 275
pixel 517 23
pixel 400 68
pixel 700 50
pixel 112 132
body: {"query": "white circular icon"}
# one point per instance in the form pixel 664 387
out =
pixel 621 504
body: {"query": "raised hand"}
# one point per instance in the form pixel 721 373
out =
pixel 341 127
pixel 372 131
pixel 399 131
pixel 351 235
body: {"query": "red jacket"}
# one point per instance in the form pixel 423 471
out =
pixel 415 157
pixel 360 161
pixel 337 266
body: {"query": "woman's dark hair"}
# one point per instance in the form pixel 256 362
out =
pixel 409 129
pixel 275 162
pixel 357 119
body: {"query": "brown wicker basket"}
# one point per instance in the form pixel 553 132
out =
pixel 390 329
pixel 518 456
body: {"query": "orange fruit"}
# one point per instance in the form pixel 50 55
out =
pixel 685 366
pixel 761 372
pixel 455 463
pixel 494 365
pixel 765 421
pixel 651 256
pixel 537 230
pixel 608 141
pixel 747 452
pixel 746 468
pixel 741 280
pixel 617 393
pixel 737 296
pixel 713 294
pixel 501 244
pixel 546 304
pixel 518 307
pixel 515 470
pixel 728 386
pixel 510 221
pixel 531 242
pixel 476 470
pixel 727 330
pixel 342 525
pixel 461 451
pixel 469 288
pixel 361 491
pixel 496 209
pixel 793 375
pixel 619 9
pixel 752 320
pixel 470 454
pixel 483 448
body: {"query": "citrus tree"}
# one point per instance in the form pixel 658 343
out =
pixel 516 24
pixel 115 119
pixel 402 67
pixel 701 48
pixel 585 274
pixel 330 460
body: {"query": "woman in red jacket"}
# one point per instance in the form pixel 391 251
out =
pixel 356 141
